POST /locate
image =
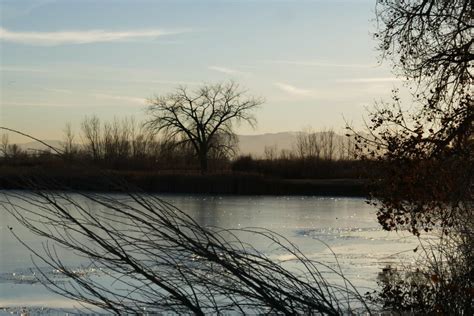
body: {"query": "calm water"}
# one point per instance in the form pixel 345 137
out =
pixel 347 225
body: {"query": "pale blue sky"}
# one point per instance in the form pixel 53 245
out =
pixel 313 61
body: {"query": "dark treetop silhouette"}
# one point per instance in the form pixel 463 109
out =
pixel 204 118
pixel 427 150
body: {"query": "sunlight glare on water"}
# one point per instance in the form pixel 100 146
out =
pixel 347 225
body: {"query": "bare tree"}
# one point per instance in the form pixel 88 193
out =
pixel 15 151
pixel 4 145
pixel 202 117
pixel 327 144
pixel 116 139
pixel 347 147
pixel 286 154
pixel 270 152
pixel 10 150
pixel 308 144
pixel 141 139
pixel 68 146
pixel 91 129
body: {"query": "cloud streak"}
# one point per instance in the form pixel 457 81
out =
pixel 119 98
pixel 107 73
pixel 371 80
pixel 292 89
pixel 79 37
pixel 34 104
pixel 22 69
pixel 55 90
pixel 127 99
pixel 319 64
pixel 227 71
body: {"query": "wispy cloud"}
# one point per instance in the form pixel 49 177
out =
pixel 227 71
pixel 171 82
pixel 21 69
pixel 79 37
pixel 370 80
pixel 124 100
pixel 42 104
pixel 319 64
pixel 106 73
pixel 55 90
pixel 127 99
pixel 292 89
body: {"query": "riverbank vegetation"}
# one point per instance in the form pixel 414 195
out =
pixel 127 149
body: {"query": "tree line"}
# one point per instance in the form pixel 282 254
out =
pixel 122 143
pixel 128 144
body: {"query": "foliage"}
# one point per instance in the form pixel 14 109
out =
pixel 427 149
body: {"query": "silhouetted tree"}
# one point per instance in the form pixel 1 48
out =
pixel 204 118
pixel 68 146
pixel 346 148
pixel 91 130
pixel 328 145
pixel 4 145
pixel 308 144
pixel 9 151
pixel 427 148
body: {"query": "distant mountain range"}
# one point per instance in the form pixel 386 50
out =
pixel 248 144
pixel 255 144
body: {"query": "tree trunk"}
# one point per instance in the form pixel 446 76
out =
pixel 203 159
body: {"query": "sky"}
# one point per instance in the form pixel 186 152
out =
pixel 314 62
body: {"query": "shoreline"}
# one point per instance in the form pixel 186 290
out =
pixel 182 183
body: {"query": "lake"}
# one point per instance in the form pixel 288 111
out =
pixel 347 225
